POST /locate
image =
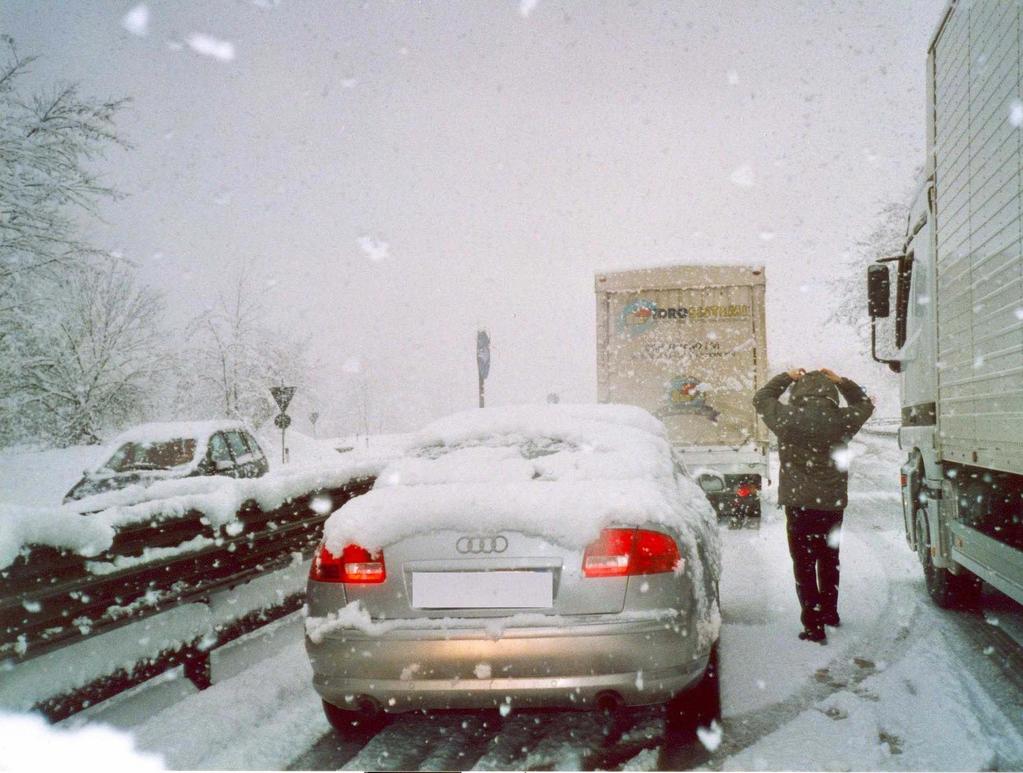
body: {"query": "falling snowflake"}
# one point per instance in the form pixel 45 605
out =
pixel 375 249
pixel 743 176
pixel 711 736
pixel 842 456
pixel 136 21
pixel 526 7
pixel 207 45
pixel 321 505
pixel 835 538
pixel 733 78
pixel 1016 113
pixel 352 365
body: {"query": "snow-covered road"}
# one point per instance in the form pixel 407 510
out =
pixel 902 685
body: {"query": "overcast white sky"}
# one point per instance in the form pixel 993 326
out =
pixel 502 156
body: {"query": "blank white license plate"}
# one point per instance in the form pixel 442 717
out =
pixel 482 590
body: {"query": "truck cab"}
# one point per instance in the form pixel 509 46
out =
pixel 957 337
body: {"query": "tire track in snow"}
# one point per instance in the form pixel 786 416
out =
pixel 884 641
pixel 331 751
pixel 464 744
pixel 407 741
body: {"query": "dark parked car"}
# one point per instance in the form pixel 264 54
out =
pixel 155 452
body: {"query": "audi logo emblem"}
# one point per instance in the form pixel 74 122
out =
pixel 496 544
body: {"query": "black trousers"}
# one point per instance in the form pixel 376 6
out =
pixel 813 544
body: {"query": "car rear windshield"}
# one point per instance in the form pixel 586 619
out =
pixel 152 456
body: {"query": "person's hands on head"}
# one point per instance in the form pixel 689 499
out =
pixel 832 376
pixel 796 373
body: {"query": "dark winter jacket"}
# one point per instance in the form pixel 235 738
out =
pixel 813 431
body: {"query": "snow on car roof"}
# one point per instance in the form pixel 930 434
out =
pixel 161 432
pixel 562 472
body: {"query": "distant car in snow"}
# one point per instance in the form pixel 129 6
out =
pixel 153 452
pixel 540 556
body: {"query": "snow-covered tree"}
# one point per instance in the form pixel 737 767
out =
pixel 72 361
pixel 848 289
pixel 47 143
pixel 82 356
pixel 234 356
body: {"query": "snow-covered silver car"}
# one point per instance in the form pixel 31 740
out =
pixel 517 557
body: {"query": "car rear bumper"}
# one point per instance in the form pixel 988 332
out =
pixel 642 663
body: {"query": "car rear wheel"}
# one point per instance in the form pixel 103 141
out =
pixel 353 724
pixel 701 704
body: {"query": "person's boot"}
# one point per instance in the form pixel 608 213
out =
pixel 831 619
pixel 815 634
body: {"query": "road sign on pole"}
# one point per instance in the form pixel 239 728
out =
pixel 482 358
pixel 282 396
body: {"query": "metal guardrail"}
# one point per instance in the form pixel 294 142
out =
pixel 50 600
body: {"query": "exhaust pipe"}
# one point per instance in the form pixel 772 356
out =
pixel 608 701
pixel 368 707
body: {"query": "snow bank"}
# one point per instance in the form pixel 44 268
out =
pixel 37 478
pixel 55 526
pixel 29 743
pixel 217 498
pixel 880 725
pixel 260 719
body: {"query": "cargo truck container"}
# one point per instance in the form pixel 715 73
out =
pixel 959 312
pixel 688 344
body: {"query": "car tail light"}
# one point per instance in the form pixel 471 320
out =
pixel 746 490
pixel 609 556
pixel 902 480
pixel 354 565
pixel 627 552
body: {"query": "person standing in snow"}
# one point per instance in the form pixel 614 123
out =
pixel 812 431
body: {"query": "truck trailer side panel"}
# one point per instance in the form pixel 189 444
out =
pixel 977 151
pixel 687 343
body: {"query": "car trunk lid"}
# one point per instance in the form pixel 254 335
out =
pixel 485 574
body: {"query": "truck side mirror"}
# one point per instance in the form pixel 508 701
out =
pixel 878 290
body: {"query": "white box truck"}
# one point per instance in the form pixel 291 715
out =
pixel 959 312
pixel 688 344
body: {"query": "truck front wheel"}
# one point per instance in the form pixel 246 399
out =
pixel 947 590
